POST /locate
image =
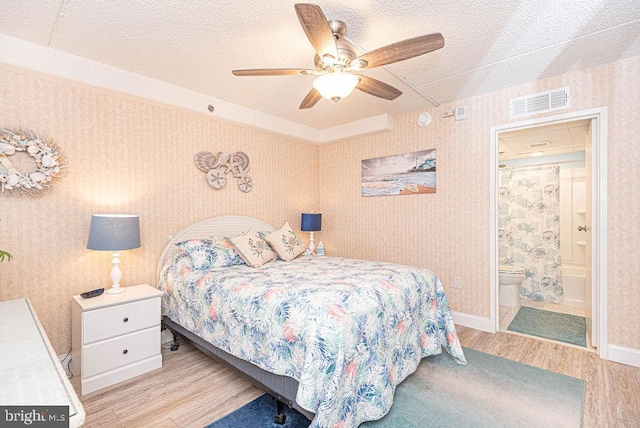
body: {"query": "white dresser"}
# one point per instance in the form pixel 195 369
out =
pixel 116 336
pixel 31 374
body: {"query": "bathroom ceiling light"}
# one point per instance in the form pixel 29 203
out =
pixel 540 144
pixel 535 154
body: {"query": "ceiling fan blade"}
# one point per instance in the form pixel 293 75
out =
pixel 377 88
pixel 317 29
pixel 311 99
pixel 274 72
pixel 400 51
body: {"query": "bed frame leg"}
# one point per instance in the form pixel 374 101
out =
pixel 175 345
pixel 280 417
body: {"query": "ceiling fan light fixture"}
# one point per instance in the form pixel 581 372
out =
pixel 328 60
pixel 336 85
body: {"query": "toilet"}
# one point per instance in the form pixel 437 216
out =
pixel 509 278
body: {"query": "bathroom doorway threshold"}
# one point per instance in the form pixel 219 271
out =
pixel 598 165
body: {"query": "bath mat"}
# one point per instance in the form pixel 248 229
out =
pixel 488 392
pixel 550 325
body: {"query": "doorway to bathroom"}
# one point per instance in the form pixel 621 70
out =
pixel 565 265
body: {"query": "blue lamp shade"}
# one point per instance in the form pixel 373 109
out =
pixel 114 232
pixel 311 222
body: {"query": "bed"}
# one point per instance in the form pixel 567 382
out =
pixel 330 337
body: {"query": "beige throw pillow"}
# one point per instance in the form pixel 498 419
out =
pixel 252 248
pixel 285 243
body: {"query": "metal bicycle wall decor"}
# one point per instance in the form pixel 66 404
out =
pixel 218 166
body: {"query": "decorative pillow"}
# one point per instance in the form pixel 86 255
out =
pixel 285 243
pixel 263 235
pixel 252 248
pixel 209 253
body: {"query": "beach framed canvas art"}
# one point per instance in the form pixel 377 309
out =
pixel 405 174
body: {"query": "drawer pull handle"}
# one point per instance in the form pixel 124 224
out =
pixel 126 319
pixel 125 352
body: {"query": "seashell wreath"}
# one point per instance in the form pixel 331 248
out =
pixel 49 162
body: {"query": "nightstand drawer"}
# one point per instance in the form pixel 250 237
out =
pixel 114 321
pixel 119 352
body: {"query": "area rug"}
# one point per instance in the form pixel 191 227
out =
pixel 488 392
pixel 259 414
pixel 550 325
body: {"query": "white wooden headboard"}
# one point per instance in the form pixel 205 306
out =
pixel 230 225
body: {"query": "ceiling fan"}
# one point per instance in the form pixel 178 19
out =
pixel 336 61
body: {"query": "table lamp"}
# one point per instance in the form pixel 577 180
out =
pixel 114 232
pixel 311 223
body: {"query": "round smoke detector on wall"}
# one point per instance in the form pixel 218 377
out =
pixel 424 119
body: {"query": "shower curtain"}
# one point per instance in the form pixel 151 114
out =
pixel 529 229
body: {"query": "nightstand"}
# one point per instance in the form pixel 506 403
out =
pixel 116 336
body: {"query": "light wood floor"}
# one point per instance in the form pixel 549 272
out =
pixel 191 390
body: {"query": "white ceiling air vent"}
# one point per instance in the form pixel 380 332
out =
pixel 460 112
pixel 543 102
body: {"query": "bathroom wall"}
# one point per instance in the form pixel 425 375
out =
pixel 572 244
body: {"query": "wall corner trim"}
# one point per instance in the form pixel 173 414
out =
pixel 473 321
pixel 366 126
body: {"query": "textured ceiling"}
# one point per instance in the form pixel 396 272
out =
pixel 489 45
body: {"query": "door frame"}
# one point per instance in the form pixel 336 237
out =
pixel 598 210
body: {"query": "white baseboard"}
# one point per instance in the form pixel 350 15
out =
pixel 576 303
pixel 623 355
pixel 472 321
pixel 618 354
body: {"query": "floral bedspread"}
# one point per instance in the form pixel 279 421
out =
pixel 348 330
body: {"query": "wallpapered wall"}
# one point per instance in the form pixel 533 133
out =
pixel 134 156
pixel 127 156
pixel 448 232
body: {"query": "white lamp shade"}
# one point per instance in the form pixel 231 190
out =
pixel 335 86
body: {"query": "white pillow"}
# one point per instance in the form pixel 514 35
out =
pixel 285 243
pixel 252 248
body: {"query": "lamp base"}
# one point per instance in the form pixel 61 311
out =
pixel 116 276
pixel 311 243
